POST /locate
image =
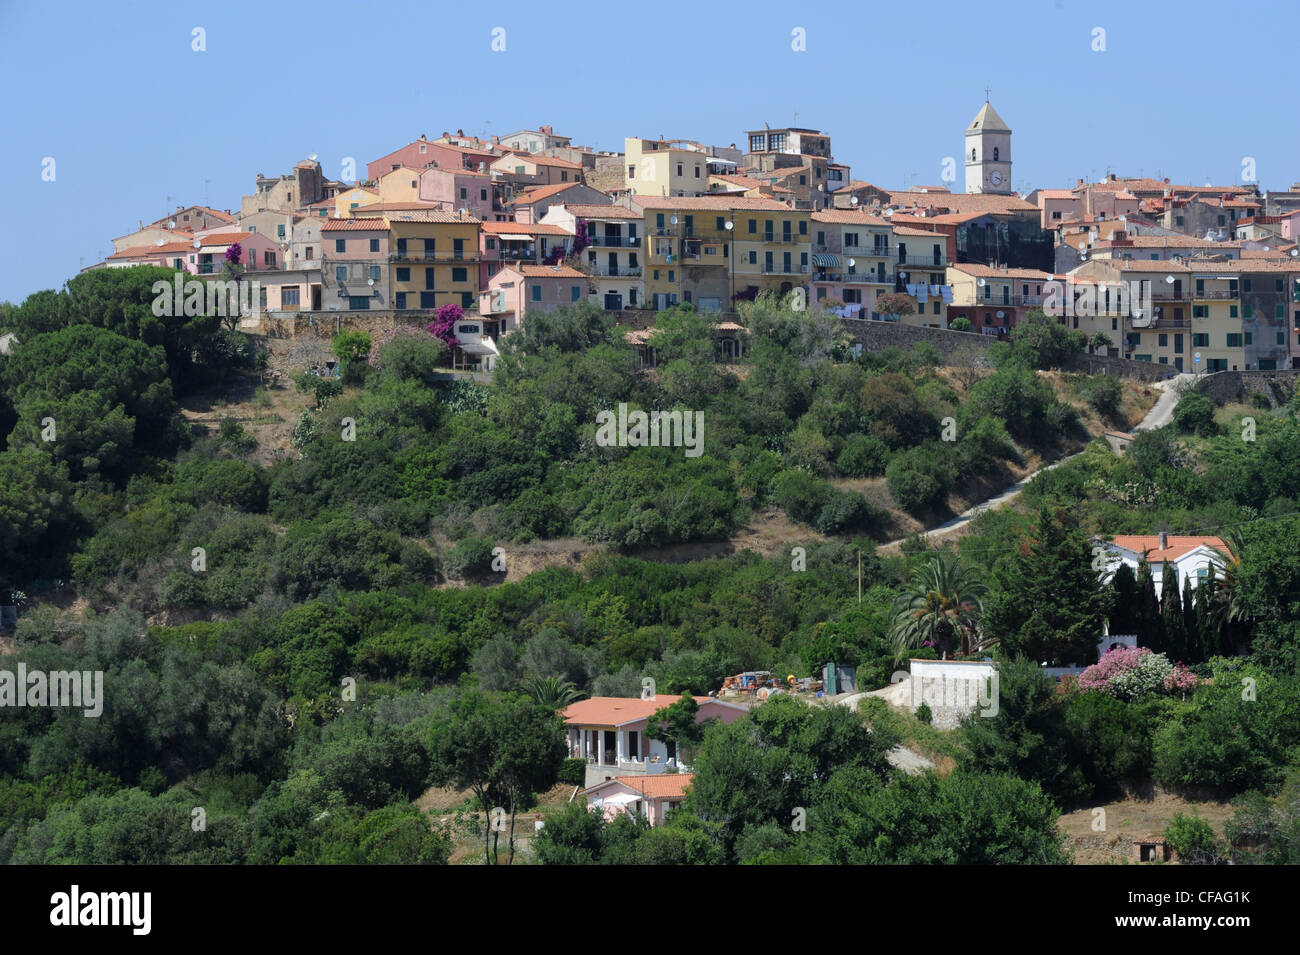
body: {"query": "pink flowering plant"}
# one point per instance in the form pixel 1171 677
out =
pixel 1135 673
pixel 443 326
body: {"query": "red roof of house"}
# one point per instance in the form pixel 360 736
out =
pixel 614 710
pixel 1175 548
pixel 658 786
pixel 554 272
pixel 359 224
pixel 529 196
pixel 538 228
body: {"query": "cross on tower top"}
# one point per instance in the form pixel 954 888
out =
pixel 986 94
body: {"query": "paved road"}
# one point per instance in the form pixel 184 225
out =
pixel 1161 413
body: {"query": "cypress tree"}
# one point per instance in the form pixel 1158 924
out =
pixel 1149 629
pixel 1191 632
pixel 1124 616
pixel 1171 613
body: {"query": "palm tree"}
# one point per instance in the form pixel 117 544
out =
pixel 941 605
pixel 551 692
pixel 1229 605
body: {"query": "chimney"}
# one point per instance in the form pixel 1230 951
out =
pixel 1166 180
pixel 546 129
pixel 1164 540
pixel 460 132
pixel 1080 182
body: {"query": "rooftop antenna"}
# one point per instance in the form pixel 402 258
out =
pixel 206 183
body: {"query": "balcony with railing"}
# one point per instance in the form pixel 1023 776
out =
pixel 869 251
pixel 931 260
pixel 1216 295
pixel 420 255
pixel 613 271
pixel 509 253
pixel 614 241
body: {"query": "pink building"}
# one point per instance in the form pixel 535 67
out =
pixel 454 189
pixel 531 205
pixel 518 289
pixel 205 255
pixel 650 796
pixel 536 170
pixel 422 153
pixel 506 242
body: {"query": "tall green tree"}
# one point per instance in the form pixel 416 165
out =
pixel 1047 602
pixel 1171 614
pixel 503 748
pixel 1124 614
pixel 1150 630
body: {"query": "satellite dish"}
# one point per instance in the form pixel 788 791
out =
pixel 1295 252
pixel 160 241
pixel 312 157
pixel 730 225
pixel 903 276
pixel 1169 279
pixel 1002 314
pixel 198 243
pixel 673 220
pixel 171 224
pixel 853 200
pixel 981 283
pixel 370 281
pixel 889 213
pixel 1123 218
pixel 852 262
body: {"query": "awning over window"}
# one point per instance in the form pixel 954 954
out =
pixel 514 237
pixel 824 260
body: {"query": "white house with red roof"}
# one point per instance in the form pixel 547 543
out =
pixel 609 732
pixel 650 796
pixel 1191 558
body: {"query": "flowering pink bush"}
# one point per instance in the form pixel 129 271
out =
pixel 1181 680
pixel 235 253
pixel 1098 676
pixel 1134 673
pixel 444 322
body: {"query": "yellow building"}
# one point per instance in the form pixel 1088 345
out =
pixel 399 185
pixel 434 259
pixel 708 249
pixel 351 199
pixel 921 261
pixel 666 168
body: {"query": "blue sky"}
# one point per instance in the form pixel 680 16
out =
pixel 131 114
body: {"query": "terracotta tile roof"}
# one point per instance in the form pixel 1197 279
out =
pixel 614 710
pixel 907 230
pixel 217 213
pixel 540 228
pixel 988 272
pixel 585 210
pixel 429 215
pixel 376 207
pixel 1176 546
pixel 551 272
pixel 538 193
pixel 849 217
pixel 226 238
pixel 149 251
pixel 717 203
pixel 1056 194
pixel 1167 242
pixel 747 182
pixel 358 224
pixel 658 786
pixel 961 202
pixel 542 160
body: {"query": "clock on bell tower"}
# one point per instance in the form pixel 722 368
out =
pixel 988 153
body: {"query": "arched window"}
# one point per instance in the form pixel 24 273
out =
pixel 995 153
pixel 972 155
